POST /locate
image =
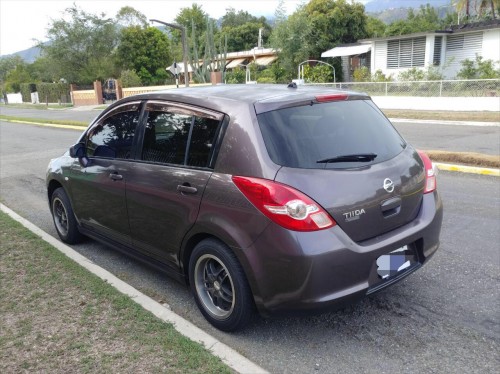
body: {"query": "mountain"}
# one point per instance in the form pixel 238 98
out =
pixel 28 55
pixel 389 11
pixel 375 6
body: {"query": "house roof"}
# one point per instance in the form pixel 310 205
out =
pixel 453 29
pixel 353 49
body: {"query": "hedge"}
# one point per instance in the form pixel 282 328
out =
pixel 53 92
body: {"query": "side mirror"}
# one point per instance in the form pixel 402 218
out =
pixel 78 151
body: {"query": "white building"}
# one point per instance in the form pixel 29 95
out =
pixel 445 49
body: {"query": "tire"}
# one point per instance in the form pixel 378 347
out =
pixel 220 287
pixel 64 218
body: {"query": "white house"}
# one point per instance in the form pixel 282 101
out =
pixel 445 49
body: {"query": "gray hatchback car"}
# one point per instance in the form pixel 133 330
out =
pixel 274 198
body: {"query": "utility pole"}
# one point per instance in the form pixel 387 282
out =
pixel 184 46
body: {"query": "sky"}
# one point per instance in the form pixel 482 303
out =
pixel 22 22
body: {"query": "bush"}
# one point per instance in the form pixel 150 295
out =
pixel 237 75
pixel 361 74
pixel 265 80
pixel 25 92
pixel 53 92
pixel 129 78
pixel 318 73
pixel 478 69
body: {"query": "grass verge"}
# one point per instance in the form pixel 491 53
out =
pixel 39 106
pixel 443 115
pixel 41 120
pixel 57 317
pixel 465 158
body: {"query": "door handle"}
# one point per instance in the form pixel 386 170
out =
pixel 115 176
pixel 186 189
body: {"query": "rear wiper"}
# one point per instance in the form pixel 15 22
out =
pixel 361 157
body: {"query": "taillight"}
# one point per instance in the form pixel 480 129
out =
pixel 331 97
pixel 284 205
pixel 430 174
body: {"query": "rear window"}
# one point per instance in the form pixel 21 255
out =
pixel 299 137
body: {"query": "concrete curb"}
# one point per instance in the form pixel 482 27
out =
pixel 468 169
pixel 228 355
pixel 442 122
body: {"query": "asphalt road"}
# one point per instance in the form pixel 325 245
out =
pixel 442 319
pixel 423 136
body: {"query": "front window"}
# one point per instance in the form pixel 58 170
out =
pixel 112 137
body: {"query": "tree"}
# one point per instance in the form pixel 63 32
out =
pixel 242 30
pixel 81 47
pixel 128 16
pixel 291 38
pixel 145 50
pixel 197 16
pixel 14 77
pixel 375 28
pixel 8 64
pixel 334 22
pixel 425 19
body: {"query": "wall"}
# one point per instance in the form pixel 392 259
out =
pixel 15 98
pixel 83 97
pixel 475 104
pixel 491 45
pixel 138 90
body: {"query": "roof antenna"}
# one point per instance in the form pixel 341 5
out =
pixel 292 85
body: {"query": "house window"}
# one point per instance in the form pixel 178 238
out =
pixel 405 53
pixel 472 41
pixel 438 42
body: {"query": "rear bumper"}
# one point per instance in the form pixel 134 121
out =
pixel 300 271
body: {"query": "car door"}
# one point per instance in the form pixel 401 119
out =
pixel 98 190
pixel 167 180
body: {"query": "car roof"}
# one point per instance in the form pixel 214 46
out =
pixel 264 97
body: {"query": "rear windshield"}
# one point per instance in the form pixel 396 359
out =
pixel 301 136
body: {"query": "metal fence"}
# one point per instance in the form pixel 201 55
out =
pixel 454 88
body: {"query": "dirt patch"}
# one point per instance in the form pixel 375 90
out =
pixel 465 158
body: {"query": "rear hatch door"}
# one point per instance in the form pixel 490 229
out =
pixel 349 158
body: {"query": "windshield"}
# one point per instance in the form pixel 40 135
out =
pixel 300 136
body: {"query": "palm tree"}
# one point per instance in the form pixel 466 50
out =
pixel 492 4
pixel 461 4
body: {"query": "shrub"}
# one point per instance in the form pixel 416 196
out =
pixel 478 69
pixel 237 75
pixel 53 92
pixel 130 78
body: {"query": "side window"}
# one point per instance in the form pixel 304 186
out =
pixel 176 135
pixel 165 138
pixel 113 136
pixel 202 140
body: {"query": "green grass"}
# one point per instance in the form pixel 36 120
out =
pixel 56 316
pixel 443 115
pixel 39 106
pixel 44 120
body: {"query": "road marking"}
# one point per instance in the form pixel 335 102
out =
pixel 228 355
pixel 72 127
pixel 468 169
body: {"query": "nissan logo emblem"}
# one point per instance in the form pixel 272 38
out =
pixel 388 185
